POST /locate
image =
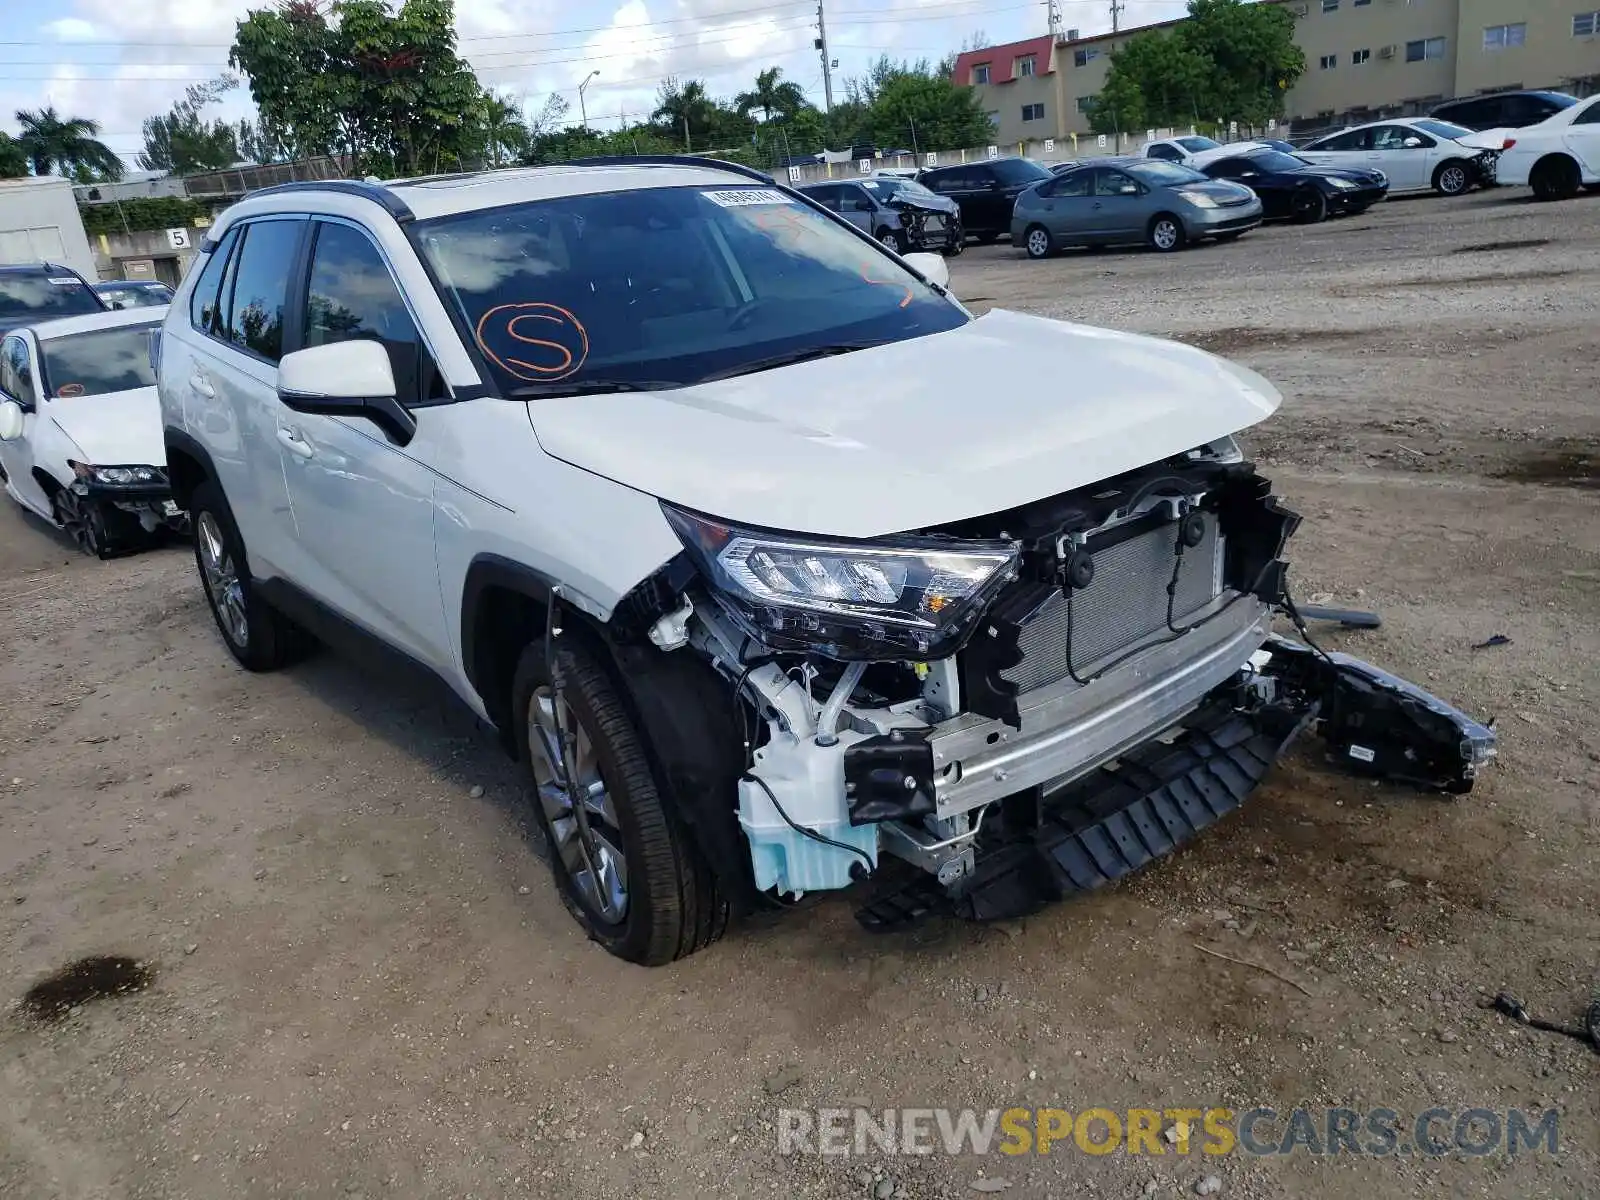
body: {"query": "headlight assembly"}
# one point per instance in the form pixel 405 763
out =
pixel 1199 199
pixel 118 476
pixel 1343 185
pixel 890 598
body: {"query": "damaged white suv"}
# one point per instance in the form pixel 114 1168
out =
pixel 779 570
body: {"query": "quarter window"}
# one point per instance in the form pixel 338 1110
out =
pixel 1590 116
pixel 1500 37
pixel 350 296
pixel 205 310
pixel 261 287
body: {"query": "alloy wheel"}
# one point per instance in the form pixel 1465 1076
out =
pixel 78 521
pixel 221 576
pixel 1038 243
pixel 1165 234
pixel 577 806
pixel 1453 181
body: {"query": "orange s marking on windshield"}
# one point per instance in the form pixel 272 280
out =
pixel 68 390
pixel 556 341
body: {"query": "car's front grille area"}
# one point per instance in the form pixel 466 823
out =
pixel 1125 605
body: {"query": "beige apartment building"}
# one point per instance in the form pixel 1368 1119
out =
pixel 1365 59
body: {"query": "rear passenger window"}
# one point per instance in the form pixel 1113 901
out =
pixel 1075 184
pixel 261 287
pixel 351 295
pixel 203 302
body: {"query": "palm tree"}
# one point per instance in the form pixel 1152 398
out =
pixel 772 94
pixel 50 142
pixel 682 108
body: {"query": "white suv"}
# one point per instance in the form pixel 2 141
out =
pixel 770 561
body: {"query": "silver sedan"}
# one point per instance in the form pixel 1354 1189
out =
pixel 1121 201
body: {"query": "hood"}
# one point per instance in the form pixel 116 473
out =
pixel 1362 174
pixel 115 429
pixel 1219 190
pixel 929 203
pixel 1002 411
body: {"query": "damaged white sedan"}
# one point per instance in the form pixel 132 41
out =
pixel 773 563
pixel 80 428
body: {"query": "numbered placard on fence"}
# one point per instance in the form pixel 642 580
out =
pixel 794 174
pixel 178 239
pixel 994 151
pixel 932 159
pixel 865 166
pixel 1049 145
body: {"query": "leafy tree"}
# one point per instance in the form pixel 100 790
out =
pixel 504 133
pixel 915 105
pixel 183 141
pixel 773 96
pixel 1230 60
pixel 48 141
pixel 13 162
pixel 382 85
pixel 260 143
pixel 686 112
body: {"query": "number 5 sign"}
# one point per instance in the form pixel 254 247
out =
pixel 178 239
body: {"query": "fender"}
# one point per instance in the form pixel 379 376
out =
pixel 182 485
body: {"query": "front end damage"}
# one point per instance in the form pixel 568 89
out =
pixel 1046 700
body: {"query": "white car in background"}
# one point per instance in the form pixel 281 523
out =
pixel 1555 157
pixel 1418 155
pixel 1181 150
pixel 80 428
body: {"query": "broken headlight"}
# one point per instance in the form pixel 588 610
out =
pixel 118 476
pixel 890 598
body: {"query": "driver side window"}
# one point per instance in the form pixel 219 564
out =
pixel 1114 183
pixel 351 295
pixel 15 375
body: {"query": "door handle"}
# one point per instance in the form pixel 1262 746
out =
pixel 291 441
pixel 1097 204
pixel 200 384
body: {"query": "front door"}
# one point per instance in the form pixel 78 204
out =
pixel 364 507
pixel 17 376
pixel 1405 155
pixel 857 207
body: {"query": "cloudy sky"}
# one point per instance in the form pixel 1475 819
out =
pixel 119 61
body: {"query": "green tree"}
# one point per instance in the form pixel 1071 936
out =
pixel 927 111
pixel 686 113
pixel 49 141
pixel 1230 60
pixel 13 161
pixel 382 85
pixel 183 141
pixel 504 133
pixel 773 96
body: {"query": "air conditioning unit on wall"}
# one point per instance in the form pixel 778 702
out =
pixel 1386 52
pixel 1301 10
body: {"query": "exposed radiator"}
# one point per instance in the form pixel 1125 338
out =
pixel 1126 604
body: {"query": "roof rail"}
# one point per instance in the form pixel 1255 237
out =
pixel 665 160
pixel 376 192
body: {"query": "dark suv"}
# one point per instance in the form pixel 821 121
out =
pixel 985 192
pixel 34 292
pixel 1504 110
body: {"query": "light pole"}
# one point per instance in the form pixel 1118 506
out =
pixel 583 111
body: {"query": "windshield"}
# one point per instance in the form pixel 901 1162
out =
pixel 1018 170
pixel 1163 174
pixel 41 297
pixel 905 189
pixel 1272 160
pixel 92 364
pixel 1444 129
pixel 1196 144
pixel 666 287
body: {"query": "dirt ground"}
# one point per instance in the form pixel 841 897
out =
pixel 364 983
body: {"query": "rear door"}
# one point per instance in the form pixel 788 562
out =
pixel 363 506
pixel 984 198
pixel 1583 138
pixel 1069 207
pixel 1352 148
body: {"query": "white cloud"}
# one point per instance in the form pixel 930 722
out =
pixel 72 29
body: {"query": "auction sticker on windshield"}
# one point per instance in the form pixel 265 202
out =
pixel 739 197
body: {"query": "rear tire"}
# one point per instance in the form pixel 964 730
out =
pixel 1038 242
pixel 670 904
pixel 1452 178
pixel 1555 178
pixel 1166 234
pixel 258 636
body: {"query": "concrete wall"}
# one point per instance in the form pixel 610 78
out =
pixel 1549 57
pixel 39 220
pixel 144 254
pixel 1386 79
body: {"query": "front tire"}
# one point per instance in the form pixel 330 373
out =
pixel 892 239
pixel 84 521
pixel 1038 242
pixel 1556 178
pixel 628 872
pixel 1166 234
pixel 1451 179
pixel 258 636
pixel 1308 207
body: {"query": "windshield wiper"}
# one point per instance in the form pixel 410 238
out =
pixel 788 360
pixel 587 387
